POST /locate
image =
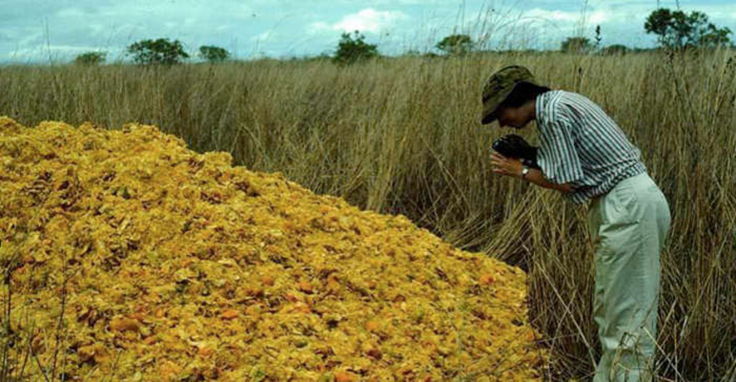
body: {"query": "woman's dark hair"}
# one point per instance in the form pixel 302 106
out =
pixel 523 92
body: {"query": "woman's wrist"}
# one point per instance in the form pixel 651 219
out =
pixel 524 172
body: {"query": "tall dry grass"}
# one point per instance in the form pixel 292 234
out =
pixel 402 136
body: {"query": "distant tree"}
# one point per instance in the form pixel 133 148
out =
pixel 643 50
pixel 320 57
pixel 90 58
pixel 716 37
pixel 678 30
pixel 456 44
pixel 598 37
pixel 324 56
pixel 613 50
pixel 353 48
pixel 576 45
pixel 213 53
pixel 159 51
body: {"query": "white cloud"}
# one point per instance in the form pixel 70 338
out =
pixel 262 36
pixel 310 27
pixel 369 20
pixel 319 26
pixel 71 13
pixel 366 20
pixel 595 17
pixel 52 50
pixel 544 14
pixel 408 2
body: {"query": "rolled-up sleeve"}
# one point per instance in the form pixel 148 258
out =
pixel 557 156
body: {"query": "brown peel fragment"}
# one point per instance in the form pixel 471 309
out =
pixel 229 314
pixel 345 376
pixel 123 324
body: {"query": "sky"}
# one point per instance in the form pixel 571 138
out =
pixel 58 30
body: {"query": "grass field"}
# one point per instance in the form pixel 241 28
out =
pixel 402 136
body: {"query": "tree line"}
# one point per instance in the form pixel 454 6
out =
pixel 158 51
pixel 675 30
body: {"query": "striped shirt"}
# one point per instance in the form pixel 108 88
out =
pixel 581 145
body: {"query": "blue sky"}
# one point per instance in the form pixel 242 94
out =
pixel 34 31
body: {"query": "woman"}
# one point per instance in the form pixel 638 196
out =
pixel 586 156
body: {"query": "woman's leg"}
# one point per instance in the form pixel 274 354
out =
pixel 632 222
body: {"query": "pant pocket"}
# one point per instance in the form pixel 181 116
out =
pixel 620 207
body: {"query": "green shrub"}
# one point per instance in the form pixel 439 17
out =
pixel 90 58
pixel 213 53
pixel 353 48
pixel 456 44
pixel 159 51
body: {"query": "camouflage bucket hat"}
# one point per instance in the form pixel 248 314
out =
pixel 499 86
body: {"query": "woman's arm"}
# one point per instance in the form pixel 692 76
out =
pixel 535 176
pixel 512 167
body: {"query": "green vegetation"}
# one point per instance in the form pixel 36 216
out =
pixel 90 58
pixel 353 48
pixel 456 44
pixel 678 30
pixel 213 53
pixel 402 135
pixel 598 37
pixel 576 45
pixel 159 51
pixel 616 49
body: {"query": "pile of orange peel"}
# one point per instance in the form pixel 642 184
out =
pixel 128 256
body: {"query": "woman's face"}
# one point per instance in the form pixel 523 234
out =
pixel 515 117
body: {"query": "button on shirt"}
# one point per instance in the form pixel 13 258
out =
pixel 581 145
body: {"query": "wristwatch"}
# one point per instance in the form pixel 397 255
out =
pixel 524 171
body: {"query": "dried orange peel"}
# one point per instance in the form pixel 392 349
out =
pixel 175 265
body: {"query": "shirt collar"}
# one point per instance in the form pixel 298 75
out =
pixel 541 106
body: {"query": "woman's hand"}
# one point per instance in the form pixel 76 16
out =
pixel 512 167
pixel 506 166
